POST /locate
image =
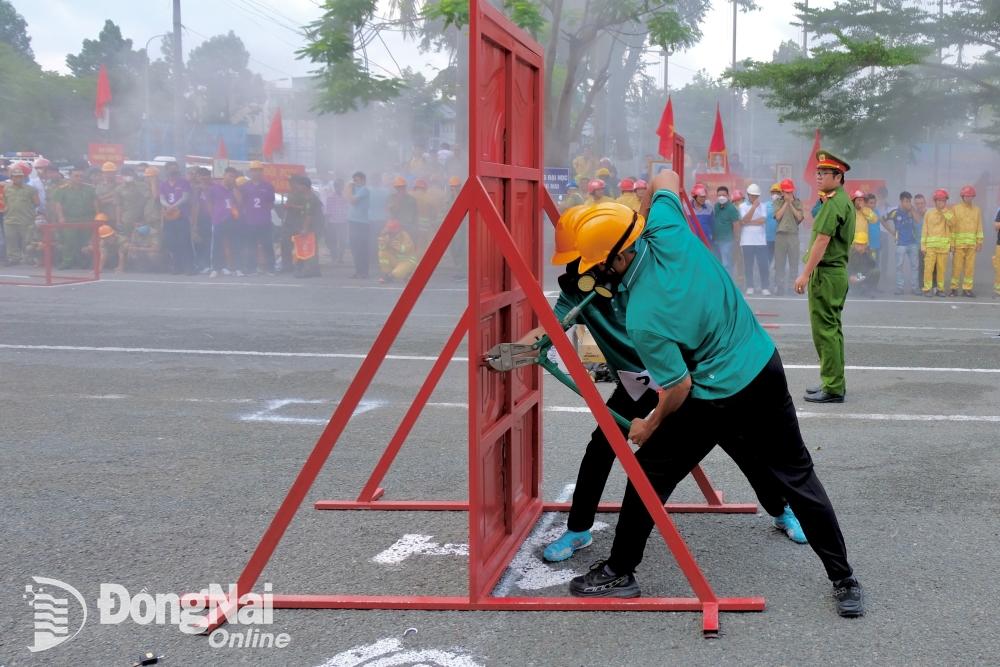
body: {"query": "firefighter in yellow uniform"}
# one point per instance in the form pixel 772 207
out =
pixel 996 258
pixel 936 241
pixel 628 196
pixel 967 231
pixel 397 256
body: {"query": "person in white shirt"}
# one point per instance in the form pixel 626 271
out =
pixel 753 240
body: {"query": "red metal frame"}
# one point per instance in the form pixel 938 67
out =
pixel 505 297
pixel 48 230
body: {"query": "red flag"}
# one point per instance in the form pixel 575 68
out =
pixel 221 153
pixel 809 175
pixel 666 131
pixel 275 140
pixel 718 158
pixel 103 99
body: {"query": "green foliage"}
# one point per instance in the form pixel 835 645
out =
pixel 14 30
pixel 45 111
pixel 222 86
pixel 345 84
pixel 885 77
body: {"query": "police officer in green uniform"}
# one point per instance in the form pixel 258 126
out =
pixel 75 201
pixel 721 379
pixel 825 273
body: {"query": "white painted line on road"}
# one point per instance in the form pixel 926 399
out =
pixel 10 275
pixel 901 369
pixel 215 353
pixel 268 414
pixel 898 417
pixel 806 325
pixel 414 545
pixel 407 357
pixel 221 282
pixel 919 301
pixel 389 652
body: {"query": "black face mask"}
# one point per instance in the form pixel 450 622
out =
pixel 605 280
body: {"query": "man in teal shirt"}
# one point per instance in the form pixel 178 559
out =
pixel 722 382
pixel 725 215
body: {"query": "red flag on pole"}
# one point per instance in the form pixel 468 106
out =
pixel 666 131
pixel 809 175
pixel 275 140
pixel 220 152
pixel 718 158
pixel 102 110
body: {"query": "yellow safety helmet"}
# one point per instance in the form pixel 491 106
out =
pixel 256 164
pixel 776 187
pixel 566 228
pixel 242 180
pixel 109 167
pixel 604 230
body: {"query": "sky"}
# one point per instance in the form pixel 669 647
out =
pixel 58 27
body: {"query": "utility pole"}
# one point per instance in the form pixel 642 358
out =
pixel 805 33
pixel 666 71
pixel 180 148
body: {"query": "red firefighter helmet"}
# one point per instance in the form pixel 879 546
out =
pixel 968 191
pixel 594 185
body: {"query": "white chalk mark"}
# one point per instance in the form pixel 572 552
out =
pixel 389 652
pixel 418 545
pixel 527 570
pixel 268 414
pixel 898 417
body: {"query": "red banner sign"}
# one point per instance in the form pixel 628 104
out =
pixel 277 175
pixel 98 154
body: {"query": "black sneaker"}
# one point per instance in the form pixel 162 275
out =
pixel 599 582
pixel 850 598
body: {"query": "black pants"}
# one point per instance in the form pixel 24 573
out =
pixel 254 236
pixel 359 232
pixel 177 244
pixel 599 458
pixel 759 424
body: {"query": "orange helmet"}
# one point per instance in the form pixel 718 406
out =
pixel 17 170
pixel 105 231
pixel 399 182
pixel 967 191
pixel 420 184
pixel 940 193
pixel 109 167
pixel 604 230
pixel 100 217
pixel 454 181
pixel 392 226
pixel 565 233
pixel 596 184
pixel 626 185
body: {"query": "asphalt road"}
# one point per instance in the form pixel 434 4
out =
pixel 151 425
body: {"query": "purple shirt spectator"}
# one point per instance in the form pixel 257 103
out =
pixel 222 201
pixel 258 200
pixel 177 191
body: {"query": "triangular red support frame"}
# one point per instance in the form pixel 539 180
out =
pixel 510 64
pixel 473 200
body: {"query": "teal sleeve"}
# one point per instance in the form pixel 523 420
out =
pixel 661 357
pixel 562 306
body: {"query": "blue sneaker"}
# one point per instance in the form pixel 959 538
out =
pixel 789 524
pixel 567 544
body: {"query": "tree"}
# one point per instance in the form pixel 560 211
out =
pixel 883 76
pixel 43 110
pixel 222 87
pixel 589 47
pixel 14 30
